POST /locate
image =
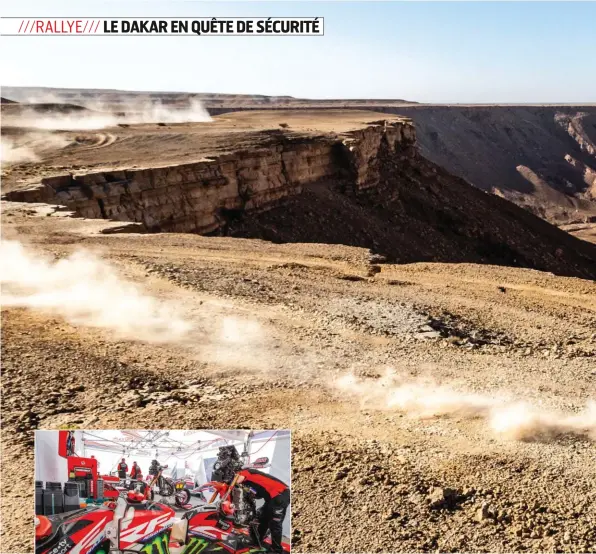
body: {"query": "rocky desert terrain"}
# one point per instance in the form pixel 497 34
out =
pixel 540 157
pixel 432 346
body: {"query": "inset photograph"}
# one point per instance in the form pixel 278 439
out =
pixel 162 491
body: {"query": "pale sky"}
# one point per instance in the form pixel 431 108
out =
pixel 429 52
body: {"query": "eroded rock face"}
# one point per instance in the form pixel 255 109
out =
pixel 589 175
pixel 368 188
pixel 574 125
pixel 486 144
pixel 198 197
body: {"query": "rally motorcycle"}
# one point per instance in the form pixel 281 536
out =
pixel 237 503
pixel 232 522
pixel 129 524
pixel 134 524
pixel 168 489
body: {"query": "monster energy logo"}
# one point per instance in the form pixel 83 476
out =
pixel 196 546
pixel 159 545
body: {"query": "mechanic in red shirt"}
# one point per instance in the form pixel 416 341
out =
pixel 122 469
pixel 277 499
pixel 135 472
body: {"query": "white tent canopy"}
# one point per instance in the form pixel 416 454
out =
pixel 185 452
pixel 188 454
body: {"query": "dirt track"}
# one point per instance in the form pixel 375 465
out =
pixel 365 478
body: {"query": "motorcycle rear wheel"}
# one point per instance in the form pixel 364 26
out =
pixel 166 488
pixel 182 497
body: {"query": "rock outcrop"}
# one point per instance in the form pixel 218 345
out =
pixel 368 187
pixel 197 197
pixel 486 144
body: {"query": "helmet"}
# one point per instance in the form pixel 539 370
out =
pixel 134 496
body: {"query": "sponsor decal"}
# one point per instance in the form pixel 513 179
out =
pixel 146 530
pixel 63 546
pixel 209 532
pixel 196 546
pixel 158 545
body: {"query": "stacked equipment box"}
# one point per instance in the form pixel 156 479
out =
pixel 38 498
pixel 53 499
pixel 71 496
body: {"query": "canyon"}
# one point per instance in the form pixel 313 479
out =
pixel 194 197
pixel 332 176
pixel 541 157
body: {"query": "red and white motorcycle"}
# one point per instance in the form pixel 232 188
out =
pixel 133 524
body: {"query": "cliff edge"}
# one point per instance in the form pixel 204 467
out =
pixel 367 186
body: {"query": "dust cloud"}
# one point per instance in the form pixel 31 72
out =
pixel 507 417
pixel 28 147
pixel 52 121
pixel 235 342
pixel 85 290
pixel 522 421
pixel 55 113
pixel 157 112
pixel 11 152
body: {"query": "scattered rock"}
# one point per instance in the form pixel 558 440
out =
pixel 484 513
pixel 439 498
pixel 428 335
pixel 377 259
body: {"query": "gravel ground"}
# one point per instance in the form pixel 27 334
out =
pixel 275 328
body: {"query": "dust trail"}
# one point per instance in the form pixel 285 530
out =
pixel 236 342
pixel 85 290
pixel 512 419
pixel 94 114
pixel 71 121
pixel 29 147
pixel 10 152
pixel 157 112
